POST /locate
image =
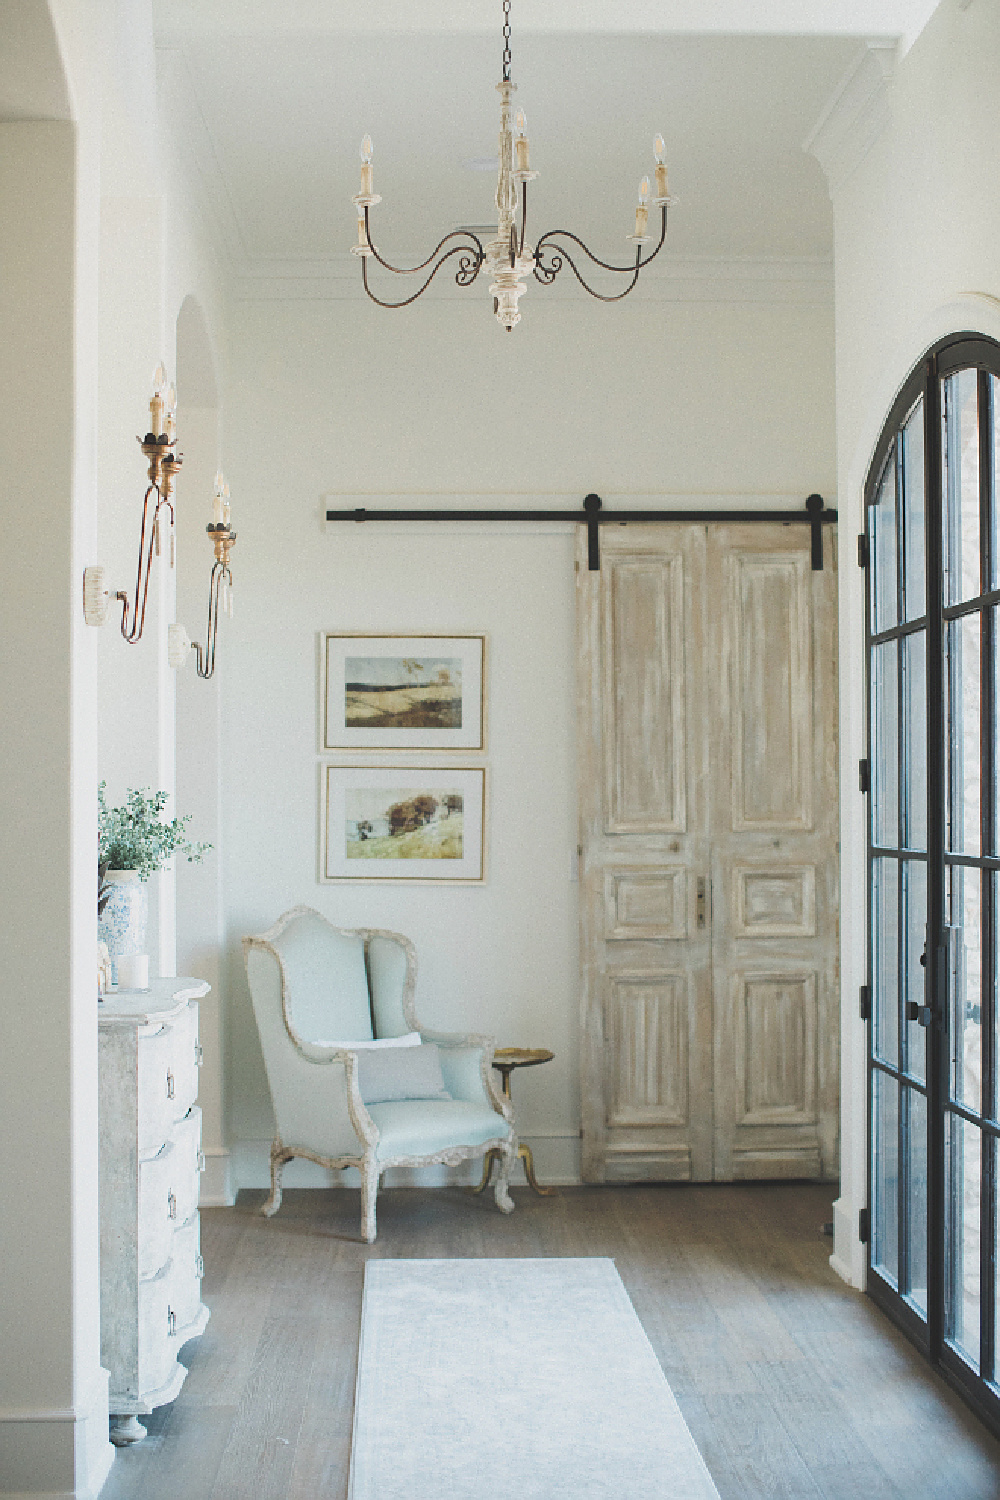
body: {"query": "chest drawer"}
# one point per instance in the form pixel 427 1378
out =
pixel 156 1222
pixel 185 1274
pixel 158 1327
pixel 186 1172
pixel 168 1078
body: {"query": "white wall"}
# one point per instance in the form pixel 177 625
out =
pixel 53 1393
pixel 89 287
pixel 704 398
pixel 917 256
pixel 152 260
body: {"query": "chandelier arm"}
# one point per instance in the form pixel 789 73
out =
pixel 412 270
pixel 659 245
pixel 550 234
pixel 547 274
pixel 465 276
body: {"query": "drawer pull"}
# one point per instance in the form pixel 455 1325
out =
pixel 199 1267
pixel 171 1322
pixel 202 1164
pixel 171 1206
pixel 170 1084
pixel 199 1054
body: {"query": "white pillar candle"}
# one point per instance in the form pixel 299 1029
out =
pixel 133 971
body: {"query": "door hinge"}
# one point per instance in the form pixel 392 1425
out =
pixel 865 1002
pixel 864 1226
pixel 863 777
pixel 862 551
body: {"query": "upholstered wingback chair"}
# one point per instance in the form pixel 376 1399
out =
pixel 355 1080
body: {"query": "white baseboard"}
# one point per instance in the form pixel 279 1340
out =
pixel 556 1155
pixel 848 1258
pixel 59 1453
pixel 217 1179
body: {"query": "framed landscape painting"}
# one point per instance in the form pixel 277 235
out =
pixel 403 823
pixel 396 692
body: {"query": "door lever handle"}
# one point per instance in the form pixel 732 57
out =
pixel 701 891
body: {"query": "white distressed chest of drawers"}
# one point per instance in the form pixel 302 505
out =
pixel 150 1165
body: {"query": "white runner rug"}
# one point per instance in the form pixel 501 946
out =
pixel 513 1380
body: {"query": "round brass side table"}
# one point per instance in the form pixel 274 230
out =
pixel 505 1060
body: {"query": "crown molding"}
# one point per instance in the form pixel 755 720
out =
pixel 855 114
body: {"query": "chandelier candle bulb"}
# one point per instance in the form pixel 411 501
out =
pixel 366 166
pixel 661 168
pixel 521 143
pixel 642 210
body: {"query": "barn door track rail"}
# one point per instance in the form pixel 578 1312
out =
pixel 816 515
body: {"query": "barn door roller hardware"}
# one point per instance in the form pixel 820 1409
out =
pixel 815 515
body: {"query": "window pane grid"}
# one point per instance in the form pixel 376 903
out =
pixel 933 624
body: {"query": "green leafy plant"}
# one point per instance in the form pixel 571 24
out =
pixel 135 837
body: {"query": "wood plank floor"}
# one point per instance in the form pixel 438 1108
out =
pixel 792 1384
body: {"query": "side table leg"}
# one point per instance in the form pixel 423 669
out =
pixel 492 1155
pixel 524 1152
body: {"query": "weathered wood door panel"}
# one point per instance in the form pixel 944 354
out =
pixel 709 870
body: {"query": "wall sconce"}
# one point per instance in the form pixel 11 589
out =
pixel 164 463
pixel 220 589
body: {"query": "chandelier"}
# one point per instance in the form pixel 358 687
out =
pixel 509 258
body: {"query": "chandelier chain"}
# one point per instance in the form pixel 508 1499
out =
pixel 506 41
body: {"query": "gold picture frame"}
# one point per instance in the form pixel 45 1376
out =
pixel 403 693
pixel 403 822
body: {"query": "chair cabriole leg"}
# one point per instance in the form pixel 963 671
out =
pixel 278 1158
pixel 369 1192
pixel 501 1194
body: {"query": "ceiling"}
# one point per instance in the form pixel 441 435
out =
pixel 270 103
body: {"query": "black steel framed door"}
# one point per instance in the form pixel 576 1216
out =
pixel 932 553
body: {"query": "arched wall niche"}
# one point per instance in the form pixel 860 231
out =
pixel 197 385
pixel 33 83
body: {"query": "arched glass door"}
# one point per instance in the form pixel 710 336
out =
pixel 932 552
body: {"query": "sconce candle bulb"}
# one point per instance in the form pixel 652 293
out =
pixel 157 504
pixel 220 587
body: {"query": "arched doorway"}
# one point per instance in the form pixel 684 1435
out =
pixel 932 557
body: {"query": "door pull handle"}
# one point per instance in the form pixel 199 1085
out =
pixel 701 892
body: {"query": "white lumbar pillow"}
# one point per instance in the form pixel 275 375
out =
pixel 411 1039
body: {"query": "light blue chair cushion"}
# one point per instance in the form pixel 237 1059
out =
pixel 325 979
pixel 387 969
pixel 421 1127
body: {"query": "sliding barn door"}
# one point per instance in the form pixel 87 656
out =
pixel 708 844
